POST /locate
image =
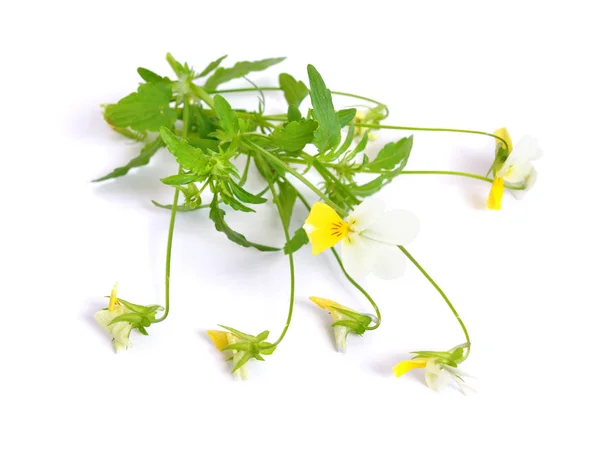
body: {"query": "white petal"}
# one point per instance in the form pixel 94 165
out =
pixel 435 376
pixel 390 262
pixel 367 213
pixel 518 173
pixel 358 255
pixel 528 148
pixel 398 227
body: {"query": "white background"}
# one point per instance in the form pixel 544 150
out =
pixel 524 279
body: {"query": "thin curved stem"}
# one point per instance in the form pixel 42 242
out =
pixel 273 88
pixel 409 128
pixel 296 174
pixel 292 273
pixel 186 115
pixel 350 278
pixel 461 174
pixel 441 292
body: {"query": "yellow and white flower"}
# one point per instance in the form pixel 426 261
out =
pixel 119 331
pixel 345 320
pixel 369 236
pixel 222 339
pixel 437 374
pixel 513 166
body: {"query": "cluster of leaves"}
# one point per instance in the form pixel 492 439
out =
pixel 248 347
pixel 352 320
pixel 206 135
pixel 138 316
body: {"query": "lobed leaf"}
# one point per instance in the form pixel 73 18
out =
pixel 239 70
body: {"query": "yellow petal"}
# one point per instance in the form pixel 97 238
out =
pixel 219 338
pixel 325 228
pixel 495 198
pixel 407 365
pixel 114 301
pixel 503 134
pixel 326 304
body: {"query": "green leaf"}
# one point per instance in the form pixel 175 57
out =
pixel 180 179
pixel 287 198
pixel 293 90
pixel 244 195
pixel 226 115
pixel 359 148
pixel 145 110
pixel 328 134
pixel 294 114
pixel 210 67
pixel 391 155
pixel 200 122
pixel 148 75
pixel 239 70
pixel 345 116
pixel 375 185
pixel 142 159
pixel 179 208
pixel 190 158
pixel 299 240
pixel 180 70
pixel 217 215
pixel 294 136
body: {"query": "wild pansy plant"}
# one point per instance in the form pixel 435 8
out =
pixel 321 147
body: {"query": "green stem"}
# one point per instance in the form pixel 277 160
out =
pixel 291 258
pixel 408 128
pixel 462 174
pixel 337 93
pixel 299 176
pixel 246 169
pixel 350 278
pixel 441 292
pixel 186 116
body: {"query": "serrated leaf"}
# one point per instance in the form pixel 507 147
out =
pixel 145 110
pixel 217 215
pixel 299 240
pixel 287 198
pixel 327 136
pixel 210 67
pixel 142 159
pixel 190 158
pixel 226 115
pixel 245 196
pixel 293 90
pixel 294 136
pixel 345 116
pixel 148 75
pixel 392 155
pixel 239 70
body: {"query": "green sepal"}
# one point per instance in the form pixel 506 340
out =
pixel 241 362
pixel 245 346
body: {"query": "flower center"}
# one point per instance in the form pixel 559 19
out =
pixel 339 229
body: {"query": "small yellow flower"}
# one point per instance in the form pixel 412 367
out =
pixel 119 331
pixel 361 117
pixel 512 166
pixel 221 340
pixel 437 374
pixel 345 320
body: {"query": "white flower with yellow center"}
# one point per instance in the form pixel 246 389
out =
pixel 369 237
pixel 119 331
pixel 437 374
pixel 516 169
